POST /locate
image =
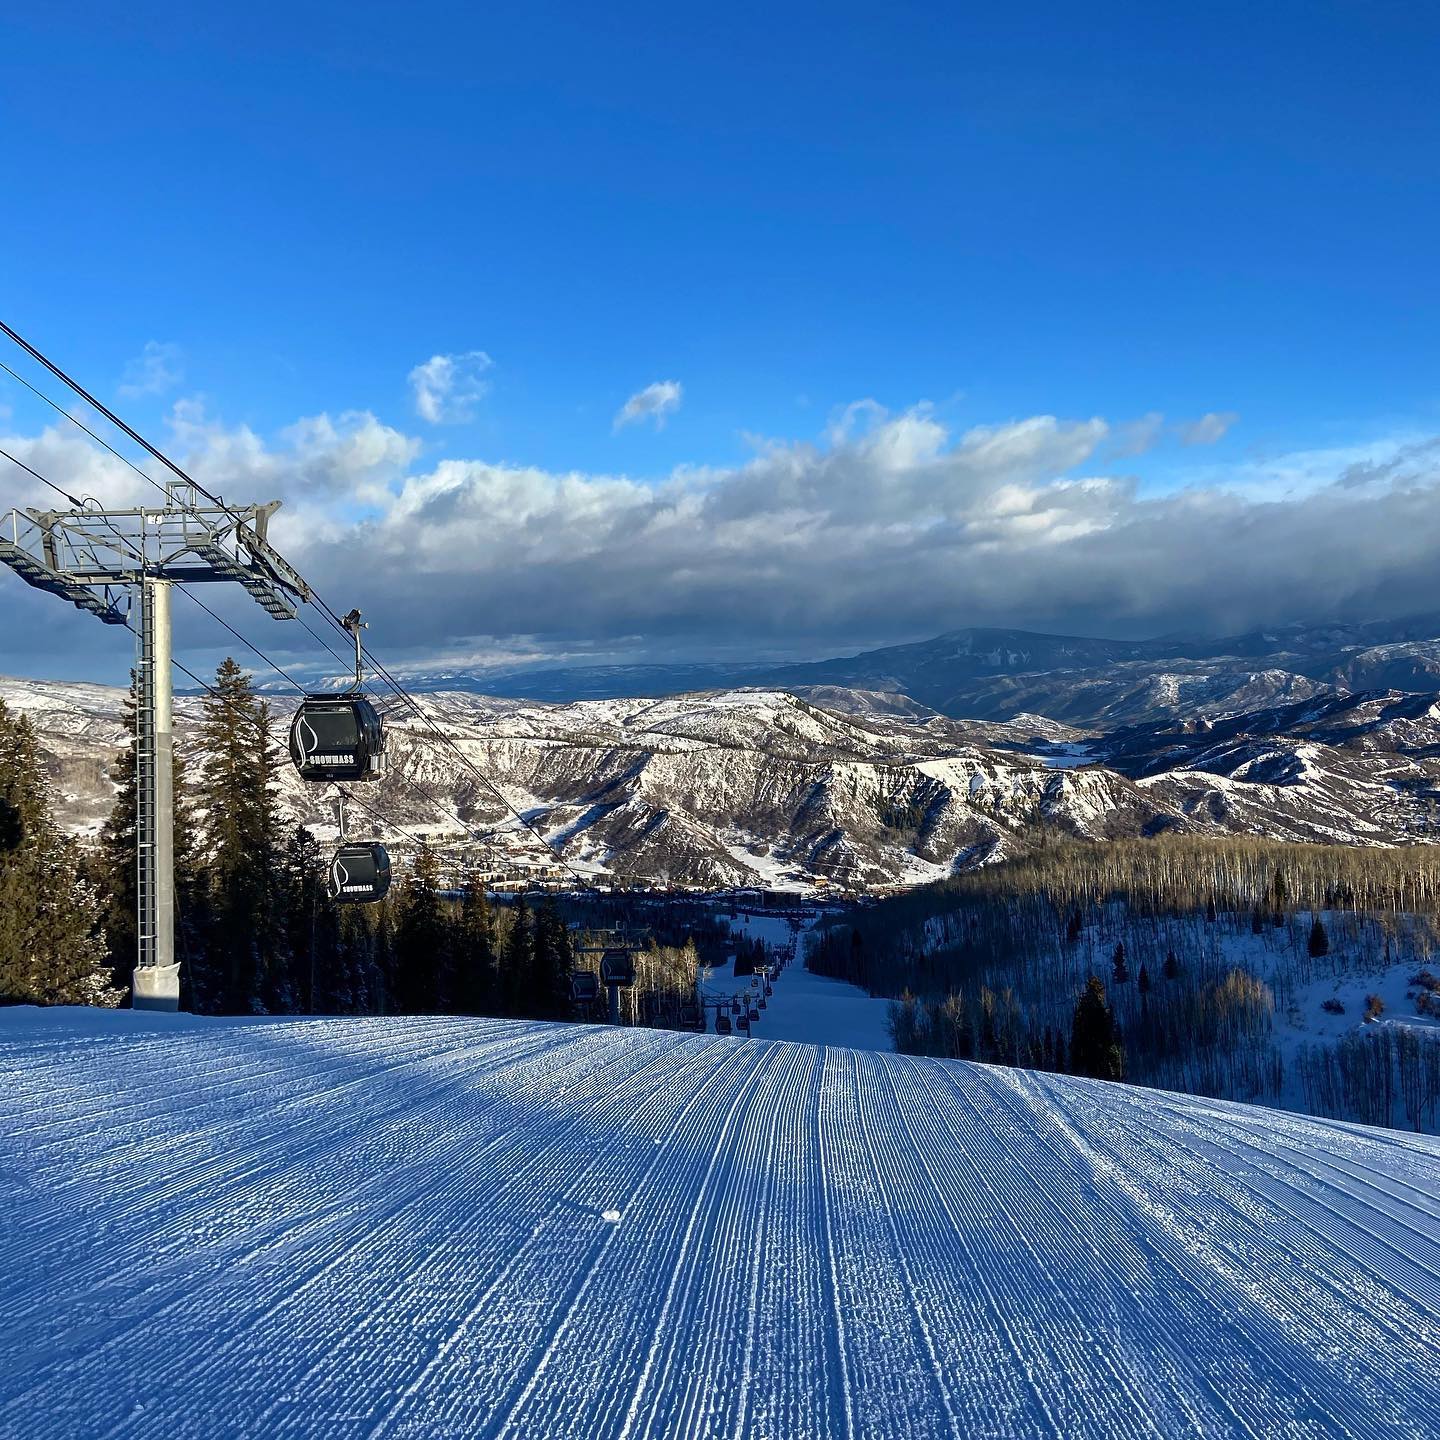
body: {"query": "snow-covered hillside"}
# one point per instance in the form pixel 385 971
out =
pixel 443 1227
pixel 744 787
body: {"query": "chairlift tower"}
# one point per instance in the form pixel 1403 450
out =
pixel 113 563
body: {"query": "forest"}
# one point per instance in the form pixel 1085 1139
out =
pixel 257 933
pixel 1212 965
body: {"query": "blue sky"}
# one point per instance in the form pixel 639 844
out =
pixel 1063 210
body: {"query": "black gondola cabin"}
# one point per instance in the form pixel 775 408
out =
pixel 337 737
pixel 617 967
pixel 359 874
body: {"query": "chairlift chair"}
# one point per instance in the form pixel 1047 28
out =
pixel 358 874
pixel 337 737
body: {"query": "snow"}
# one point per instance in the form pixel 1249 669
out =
pixel 411 1227
pixel 815 1010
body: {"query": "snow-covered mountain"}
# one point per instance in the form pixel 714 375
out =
pixel 993 674
pixel 440 1226
pixel 765 787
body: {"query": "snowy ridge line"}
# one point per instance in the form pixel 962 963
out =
pixel 399 1228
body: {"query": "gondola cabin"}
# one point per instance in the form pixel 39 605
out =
pixel 617 967
pixel 584 986
pixel 753 1016
pixel 722 1024
pixel 337 737
pixel 692 1017
pixel 359 874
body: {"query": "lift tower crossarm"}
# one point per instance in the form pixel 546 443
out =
pixel 89 556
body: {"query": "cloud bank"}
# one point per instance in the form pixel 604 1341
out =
pixel 889 526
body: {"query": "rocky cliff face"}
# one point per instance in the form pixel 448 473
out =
pixel 767 787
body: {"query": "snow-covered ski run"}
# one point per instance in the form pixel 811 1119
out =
pixel 398 1227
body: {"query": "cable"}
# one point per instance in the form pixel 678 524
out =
pixel 204 685
pixel 124 460
pixel 319 602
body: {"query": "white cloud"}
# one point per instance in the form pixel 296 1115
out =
pixel 888 525
pixel 157 369
pixel 654 402
pixel 1207 429
pixel 447 388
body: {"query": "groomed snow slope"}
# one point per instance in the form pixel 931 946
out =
pixel 396 1228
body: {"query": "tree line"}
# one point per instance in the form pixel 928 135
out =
pixel 1197 946
pixel 256 931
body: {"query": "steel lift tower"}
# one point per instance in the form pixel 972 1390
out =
pixel 94 558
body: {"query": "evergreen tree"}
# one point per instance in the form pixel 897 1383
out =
pixel 1172 965
pixel 1319 941
pixel 423 973
pixel 1118 964
pixel 1142 981
pixel 516 955
pixel 475 952
pixel 242 962
pixel 1095 1048
pixel 551 962
pixel 319 984
pixel 12 832
pixel 1073 926
pixel 51 948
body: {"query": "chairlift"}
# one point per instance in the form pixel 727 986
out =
pixel 584 986
pixel 722 1024
pixel 617 967
pixel 337 737
pixel 359 874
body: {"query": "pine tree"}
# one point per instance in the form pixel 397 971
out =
pixel 51 948
pixel 12 832
pixel 1319 941
pixel 551 962
pixel 1095 1048
pixel 475 952
pixel 422 941
pixel 242 965
pixel 516 955
pixel 1172 965
pixel 1118 964
pixel 1142 981
pixel 1073 927
pixel 320 982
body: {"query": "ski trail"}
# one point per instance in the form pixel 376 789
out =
pixel 427 1227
